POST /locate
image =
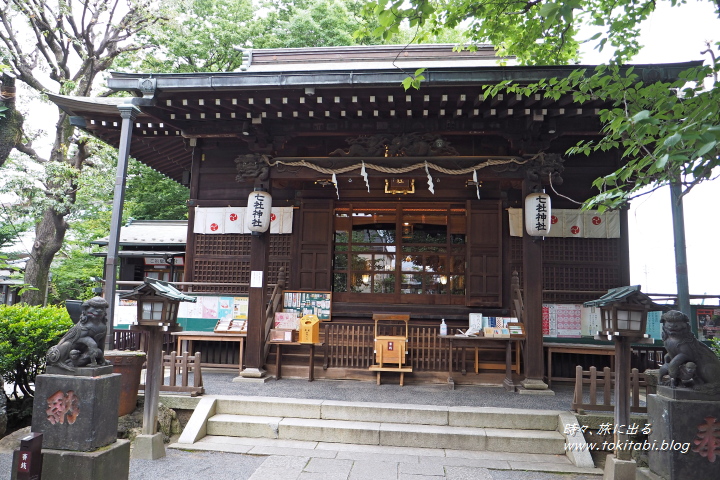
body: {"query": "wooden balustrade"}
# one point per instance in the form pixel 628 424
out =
pixel 352 346
pixel 603 383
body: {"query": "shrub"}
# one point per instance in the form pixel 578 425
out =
pixel 26 334
pixel 715 346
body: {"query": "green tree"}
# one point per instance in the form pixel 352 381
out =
pixel 10 119
pixel 150 195
pixel 71 42
pixel 204 35
pixel 666 132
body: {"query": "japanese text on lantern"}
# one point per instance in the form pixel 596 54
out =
pixel 541 213
pixel 258 210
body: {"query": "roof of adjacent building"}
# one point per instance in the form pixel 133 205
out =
pixel 151 232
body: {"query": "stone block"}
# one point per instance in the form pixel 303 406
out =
pixel 433 436
pixel 330 431
pixel 149 447
pixel 108 463
pixel 385 413
pixel 270 406
pixel 619 469
pixel 682 440
pixel 76 412
pixel 243 426
pixel 487 417
pixel 525 441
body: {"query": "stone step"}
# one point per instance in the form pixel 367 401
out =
pixel 388 434
pixel 479 417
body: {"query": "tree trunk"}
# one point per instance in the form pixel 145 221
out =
pixel 11 123
pixel 49 236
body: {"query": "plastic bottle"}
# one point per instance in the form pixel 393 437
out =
pixel 443 327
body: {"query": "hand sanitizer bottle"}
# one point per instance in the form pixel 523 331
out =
pixel 443 327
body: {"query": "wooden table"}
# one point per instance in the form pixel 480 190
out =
pixel 576 348
pixel 278 358
pixel 477 342
pixel 189 337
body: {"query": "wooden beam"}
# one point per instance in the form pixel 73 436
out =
pixel 532 293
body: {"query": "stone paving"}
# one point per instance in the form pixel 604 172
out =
pixel 265 460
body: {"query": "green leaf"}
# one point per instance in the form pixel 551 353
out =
pixel 662 161
pixel 548 9
pixel 386 18
pixel 672 140
pixel 641 116
pixel 706 148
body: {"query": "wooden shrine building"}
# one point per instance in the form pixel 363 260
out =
pixel 393 200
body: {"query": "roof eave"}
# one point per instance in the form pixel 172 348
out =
pixel 361 77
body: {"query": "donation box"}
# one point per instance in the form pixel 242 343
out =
pixel 309 329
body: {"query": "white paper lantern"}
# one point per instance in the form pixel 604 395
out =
pixel 257 215
pixel 537 214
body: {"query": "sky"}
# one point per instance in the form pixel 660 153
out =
pixel 675 35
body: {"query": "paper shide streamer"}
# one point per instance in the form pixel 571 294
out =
pixel 431 186
pixel 364 174
pixel 335 182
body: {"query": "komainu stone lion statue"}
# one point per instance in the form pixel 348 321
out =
pixel 84 344
pixel 688 362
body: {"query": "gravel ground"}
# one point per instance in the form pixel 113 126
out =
pixel 220 383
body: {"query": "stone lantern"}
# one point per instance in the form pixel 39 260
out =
pixel 624 319
pixel 157 304
pixel 624 312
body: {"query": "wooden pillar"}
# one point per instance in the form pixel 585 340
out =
pixel 532 298
pixel 189 274
pixel 624 248
pixel 257 303
pixel 128 113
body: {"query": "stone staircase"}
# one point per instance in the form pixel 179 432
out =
pixel 230 420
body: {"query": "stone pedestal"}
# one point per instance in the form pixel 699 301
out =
pixel 77 412
pixel 109 463
pixel 684 434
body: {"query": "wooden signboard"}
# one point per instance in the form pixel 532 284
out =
pixel 308 303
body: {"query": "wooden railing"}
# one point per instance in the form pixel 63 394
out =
pixel 182 365
pixel 603 383
pixel 137 340
pixel 518 307
pixel 352 346
pixel 274 305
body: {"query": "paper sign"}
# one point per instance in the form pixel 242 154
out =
pixel 256 279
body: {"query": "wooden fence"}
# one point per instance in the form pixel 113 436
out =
pixel 181 365
pixel 352 346
pixel 601 385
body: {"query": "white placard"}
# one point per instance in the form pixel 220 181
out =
pixel 256 279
